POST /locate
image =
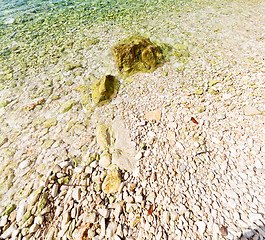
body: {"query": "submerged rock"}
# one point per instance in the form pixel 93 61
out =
pixel 136 54
pixel 104 89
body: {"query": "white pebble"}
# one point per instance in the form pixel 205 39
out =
pixel 138 156
pixel 21 210
pixel 201 227
pixel 76 195
pixel 102 228
pixel 165 217
pixel 111 229
pixel 104 212
pixel 253 217
pixel 179 146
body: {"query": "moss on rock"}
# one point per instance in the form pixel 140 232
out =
pixel 104 89
pixel 112 181
pixel 136 54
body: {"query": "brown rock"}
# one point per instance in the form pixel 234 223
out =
pixel 223 231
pixel 81 232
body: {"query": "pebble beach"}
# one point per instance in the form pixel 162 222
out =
pixel 178 153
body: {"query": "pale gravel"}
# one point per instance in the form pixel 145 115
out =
pixel 195 194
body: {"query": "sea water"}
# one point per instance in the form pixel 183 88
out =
pixel 38 33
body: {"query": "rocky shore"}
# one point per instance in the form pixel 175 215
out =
pixel 177 152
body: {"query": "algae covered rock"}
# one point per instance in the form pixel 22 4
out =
pixel 136 54
pixel 104 89
pixel 112 181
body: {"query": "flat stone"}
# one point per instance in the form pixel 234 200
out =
pixel 50 122
pixel 76 195
pixel 67 106
pixel 8 232
pixel 153 115
pixel 231 194
pixel 55 189
pixel 103 136
pixel 123 161
pixel 34 228
pixel 182 209
pixel 171 137
pixel 221 116
pixel 104 212
pixel 250 110
pixel 3 221
pixel 102 228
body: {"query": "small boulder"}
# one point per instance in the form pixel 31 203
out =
pixel 104 89
pixel 136 54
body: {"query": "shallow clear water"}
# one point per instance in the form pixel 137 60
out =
pixel 36 33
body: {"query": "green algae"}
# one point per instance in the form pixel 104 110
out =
pixel 3 140
pixel 67 106
pixel 4 103
pixel 50 122
pixel 10 208
pixel 48 143
pixel 64 180
pixel 104 89
pixel 43 201
pixel 136 54
pixel 212 91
